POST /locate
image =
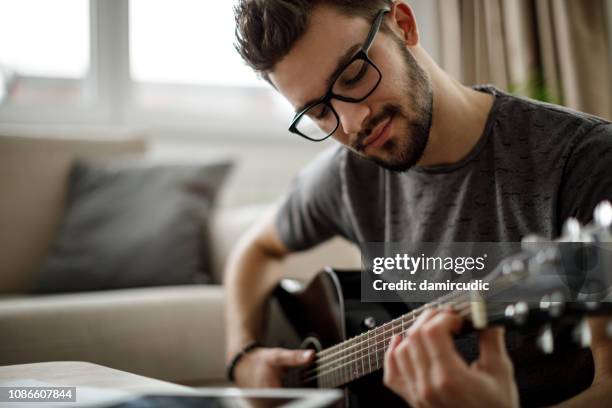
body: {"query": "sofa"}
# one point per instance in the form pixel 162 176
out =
pixel 173 333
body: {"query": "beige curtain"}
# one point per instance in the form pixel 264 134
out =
pixel 553 50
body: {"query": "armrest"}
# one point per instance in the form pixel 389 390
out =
pixel 171 333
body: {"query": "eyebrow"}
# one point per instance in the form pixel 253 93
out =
pixel 342 61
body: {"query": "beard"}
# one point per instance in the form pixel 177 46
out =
pixel 404 151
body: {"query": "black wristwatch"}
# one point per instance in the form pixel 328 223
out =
pixel 231 367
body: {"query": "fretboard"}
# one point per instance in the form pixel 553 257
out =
pixel 361 355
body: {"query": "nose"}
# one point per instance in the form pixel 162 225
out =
pixel 352 115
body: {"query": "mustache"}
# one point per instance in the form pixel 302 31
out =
pixel 386 112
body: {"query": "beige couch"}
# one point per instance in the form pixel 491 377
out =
pixel 171 333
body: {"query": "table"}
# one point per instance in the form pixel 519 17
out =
pixel 97 385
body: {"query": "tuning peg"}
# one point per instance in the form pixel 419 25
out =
pixel 571 230
pixel 547 255
pixel 518 312
pixel 545 303
pixel 582 334
pixel 557 304
pixel 602 215
pixel 513 267
pixel 546 341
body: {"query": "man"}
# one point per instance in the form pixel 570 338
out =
pixel 420 158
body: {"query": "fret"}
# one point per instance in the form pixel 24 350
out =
pixel 334 374
pixel 355 360
pixel 341 368
pixel 376 354
pixel 369 353
pixel 345 375
pixel 361 350
pixel 349 362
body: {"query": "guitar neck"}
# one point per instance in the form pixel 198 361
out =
pixel 361 355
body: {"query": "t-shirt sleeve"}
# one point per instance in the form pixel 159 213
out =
pixel 587 177
pixel 312 211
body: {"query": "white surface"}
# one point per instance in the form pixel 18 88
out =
pixel 85 396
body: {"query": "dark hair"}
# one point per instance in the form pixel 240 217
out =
pixel 267 29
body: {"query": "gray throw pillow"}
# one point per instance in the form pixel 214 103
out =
pixel 132 223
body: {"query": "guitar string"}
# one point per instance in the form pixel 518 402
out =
pixel 413 314
pixel 390 327
pixel 326 353
pixel 382 330
pixel 441 301
pixel 374 341
pixel 377 352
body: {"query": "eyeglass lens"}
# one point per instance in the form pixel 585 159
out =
pixel 356 81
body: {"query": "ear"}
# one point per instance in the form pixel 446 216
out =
pixel 403 23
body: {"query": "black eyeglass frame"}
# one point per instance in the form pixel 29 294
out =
pixel 362 54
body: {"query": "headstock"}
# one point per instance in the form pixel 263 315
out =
pixel 550 282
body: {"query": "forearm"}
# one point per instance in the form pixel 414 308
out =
pixel 249 280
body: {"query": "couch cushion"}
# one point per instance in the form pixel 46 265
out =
pixel 33 172
pixel 133 223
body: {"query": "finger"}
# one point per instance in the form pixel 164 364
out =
pixel 406 380
pixel 421 364
pixel 424 317
pixel 492 345
pixel 391 371
pixel 438 340
pixel 289 358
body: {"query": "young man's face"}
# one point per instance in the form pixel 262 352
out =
pixel 391 126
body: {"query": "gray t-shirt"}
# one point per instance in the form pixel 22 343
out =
pixel 534 166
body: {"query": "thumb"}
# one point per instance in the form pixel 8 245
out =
pixel 283 357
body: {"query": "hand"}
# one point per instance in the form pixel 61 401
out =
pixel 264 367
pixel 426 370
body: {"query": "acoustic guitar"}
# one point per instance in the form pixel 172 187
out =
pixel 350 337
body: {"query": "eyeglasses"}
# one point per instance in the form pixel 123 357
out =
pixel 357 80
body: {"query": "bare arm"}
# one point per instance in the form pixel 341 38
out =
pixel 249 280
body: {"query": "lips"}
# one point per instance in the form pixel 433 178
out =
pixel 379 135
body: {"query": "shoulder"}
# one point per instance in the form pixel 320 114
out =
pixel 593 149
pixel 322 171
pixel 548 134
pixel 550 118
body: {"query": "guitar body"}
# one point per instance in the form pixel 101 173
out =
pixel 328 311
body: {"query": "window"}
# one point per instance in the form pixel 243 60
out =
pixel 145 63
pixel 182 59
pixel 185 41
pixel 44 51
